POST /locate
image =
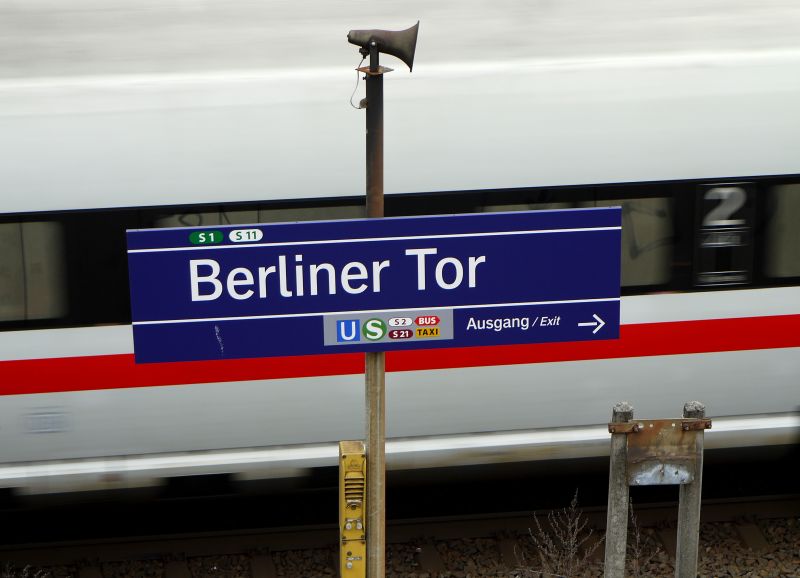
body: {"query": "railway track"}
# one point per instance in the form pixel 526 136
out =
pixel 737 537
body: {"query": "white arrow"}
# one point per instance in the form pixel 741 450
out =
pixel 600 323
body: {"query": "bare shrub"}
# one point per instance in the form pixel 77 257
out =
pixel 565 547
pixel 640 549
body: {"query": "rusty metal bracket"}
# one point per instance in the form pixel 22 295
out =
pixel 694 424
pixel 625 427
pixel 687 424
pixel 664 451
pixel 381 70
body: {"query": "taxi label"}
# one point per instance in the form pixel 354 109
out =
pixel 428 332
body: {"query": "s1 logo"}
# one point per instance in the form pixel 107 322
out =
pixel 205 237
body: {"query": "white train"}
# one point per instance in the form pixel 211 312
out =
pixel 143 114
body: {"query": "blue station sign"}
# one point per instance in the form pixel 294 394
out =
pixel 286 289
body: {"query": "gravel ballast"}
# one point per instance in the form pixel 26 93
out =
pixel 723 553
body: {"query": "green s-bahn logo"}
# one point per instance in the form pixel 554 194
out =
pixel 374 329
pixel 205 237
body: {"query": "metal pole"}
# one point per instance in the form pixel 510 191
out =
pixel 689 505
pixel 617 516
pixel 374 135
pixel 375 363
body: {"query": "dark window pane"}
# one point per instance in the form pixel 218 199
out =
pixel 32 279
pixel 782 239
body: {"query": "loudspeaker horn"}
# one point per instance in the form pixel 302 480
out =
pixel 399 43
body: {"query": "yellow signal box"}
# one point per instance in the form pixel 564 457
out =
pixel 352 499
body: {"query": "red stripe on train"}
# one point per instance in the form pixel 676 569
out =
pixel 120 371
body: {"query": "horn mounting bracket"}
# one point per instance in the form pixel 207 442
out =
pixel 380 70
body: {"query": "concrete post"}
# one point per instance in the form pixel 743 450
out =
pixel 617 519
pixel 689 505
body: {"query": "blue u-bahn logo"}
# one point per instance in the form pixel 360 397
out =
pixel 348 330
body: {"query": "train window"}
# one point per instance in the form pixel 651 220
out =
pixel 228 216
pixel 782 239
pixel 207 218
pixel 32 279
pixel 647 234
pixel 647 239
pixel 312 213
pixel 527 207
